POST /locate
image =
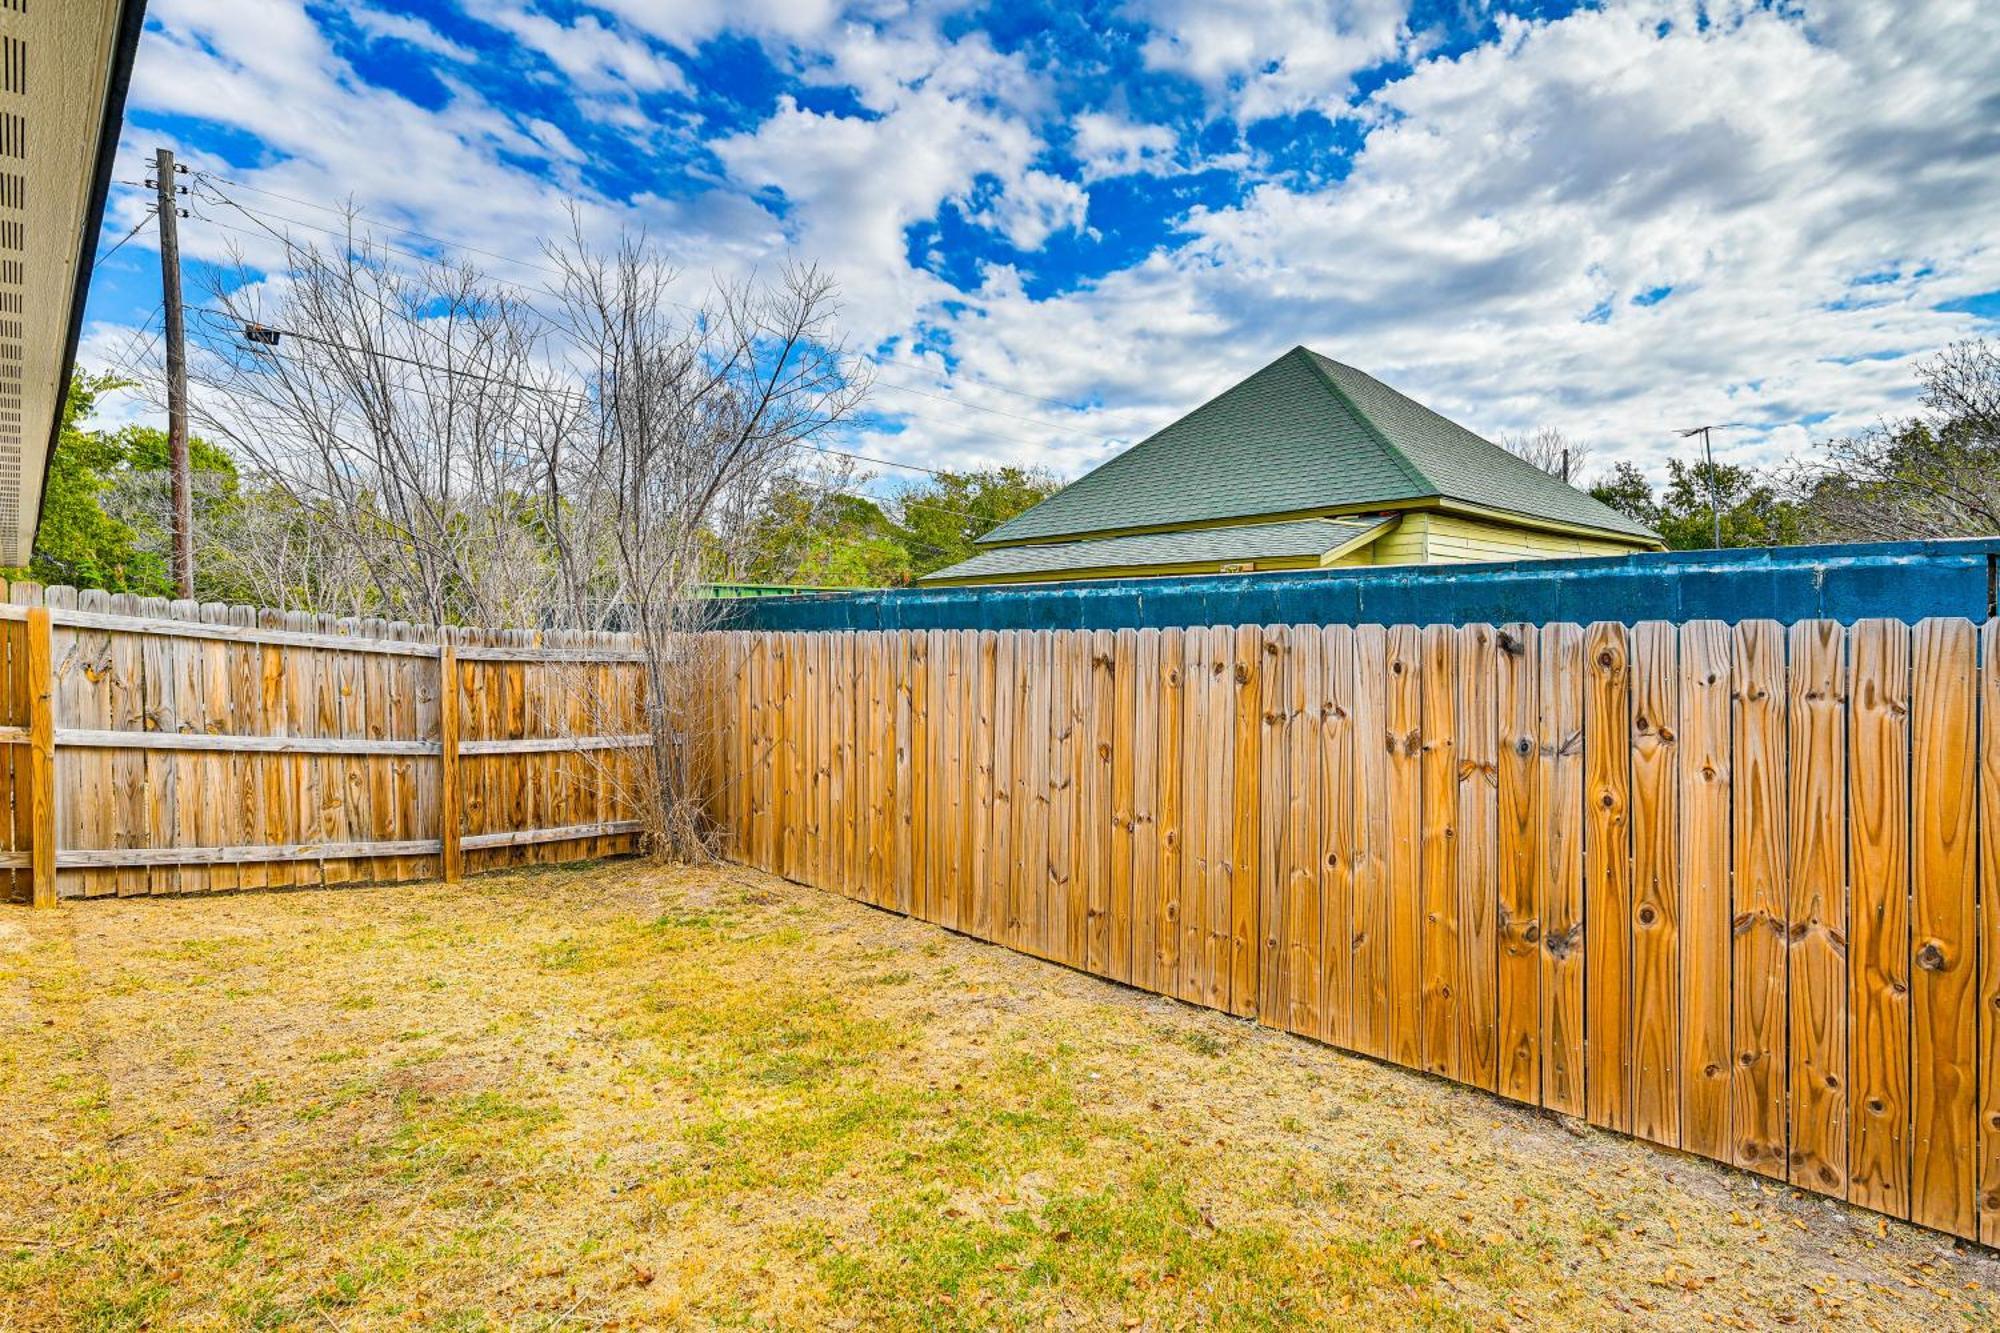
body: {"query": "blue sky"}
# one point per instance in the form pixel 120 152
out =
pixel 1057 226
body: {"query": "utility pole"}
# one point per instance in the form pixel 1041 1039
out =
pixel 176 337
pixel 1714 482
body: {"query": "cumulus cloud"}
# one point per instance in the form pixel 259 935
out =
pixel 595 56
pixel 1594 224
pixel 1109 145
pixel 1636 217
pixel 409 31
pixel 1262 58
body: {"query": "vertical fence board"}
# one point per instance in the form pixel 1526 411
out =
pixel 1656 885
pixel 1476 724
pixel 1440 959
pixel 1519 857
pixel 1324 847
pixel 1607 867
pixel 1001 852
pixel 1368 937
pixel 1817 965
pixel 1216 797
pixel 1058 788
pixel 1704 864
pixel 1196 804
pixel 1989 936
pixel 956 778
pixel 1173 814
pixel 1097 815
pixel 1145 817
pixel 1241 937
pixel 1275 963
pixel 1943 775
pixel 40 673
pixel 1031 720
pixel 978 921
pixel 1559 871
pixel 1758 913
pixel 1124 668
pixel 1405 848
pixel 1878 811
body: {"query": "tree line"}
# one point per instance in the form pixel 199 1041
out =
pixel 1935 473
pixel 105 515
pixel 107 510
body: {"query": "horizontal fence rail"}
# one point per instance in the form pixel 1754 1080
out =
pixel 157 747
pixel 1715 885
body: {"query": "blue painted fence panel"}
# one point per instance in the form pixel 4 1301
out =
pixel 1898 580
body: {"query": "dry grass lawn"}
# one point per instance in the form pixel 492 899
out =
pixel 628 1096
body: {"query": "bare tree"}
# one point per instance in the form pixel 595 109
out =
pixel 1550 450
pixel 690 416
pixel 426 443
pixel 396 406
pixel 1936 474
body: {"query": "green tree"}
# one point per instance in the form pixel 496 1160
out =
pixel 942 518
pixel 1934 475
pixel 105 513
pixel 807 535
pixel 78 542
pixel 1754 513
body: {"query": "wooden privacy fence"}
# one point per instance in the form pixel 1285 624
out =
pixel 1717 886
pixel 156 747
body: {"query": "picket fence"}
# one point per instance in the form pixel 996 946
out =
pixel 1714 885
pixel 150 747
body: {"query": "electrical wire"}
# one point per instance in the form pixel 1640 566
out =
pixel 106 254
pixel 459 371
pixel 391 226
pixel 877 362
pixel 129 361
pixel 567 393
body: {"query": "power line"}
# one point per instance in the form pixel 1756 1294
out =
pixel 256 215
pixel 878 362
pixel 129 362
pixel 407 231
pixel 519 384
pixel 981 519
pixel 883 462
pixel 106 254
pixel 260 219
pixel 566 393
pixel 396 356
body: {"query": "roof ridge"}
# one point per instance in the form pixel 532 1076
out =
pixel 1410 469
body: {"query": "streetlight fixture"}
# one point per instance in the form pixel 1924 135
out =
pixel 1714 494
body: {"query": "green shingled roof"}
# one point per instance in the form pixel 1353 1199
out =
pixel 1304 433
pixel 1198 546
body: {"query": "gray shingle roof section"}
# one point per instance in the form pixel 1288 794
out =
pixel 1466 467
pixel 1305 432
pixel 1252 541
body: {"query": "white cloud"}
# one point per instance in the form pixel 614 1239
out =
pixel 411 32
pixel 686 24
pixel 1035 206
pixel 1109 145
pixel 944 117
pixel 1759 166
pixel 1262 58
pixel 594 56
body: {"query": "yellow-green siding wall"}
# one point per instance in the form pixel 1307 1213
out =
pixel 1447 539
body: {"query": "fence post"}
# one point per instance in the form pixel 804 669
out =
pixel 42 756
pixel 454 859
